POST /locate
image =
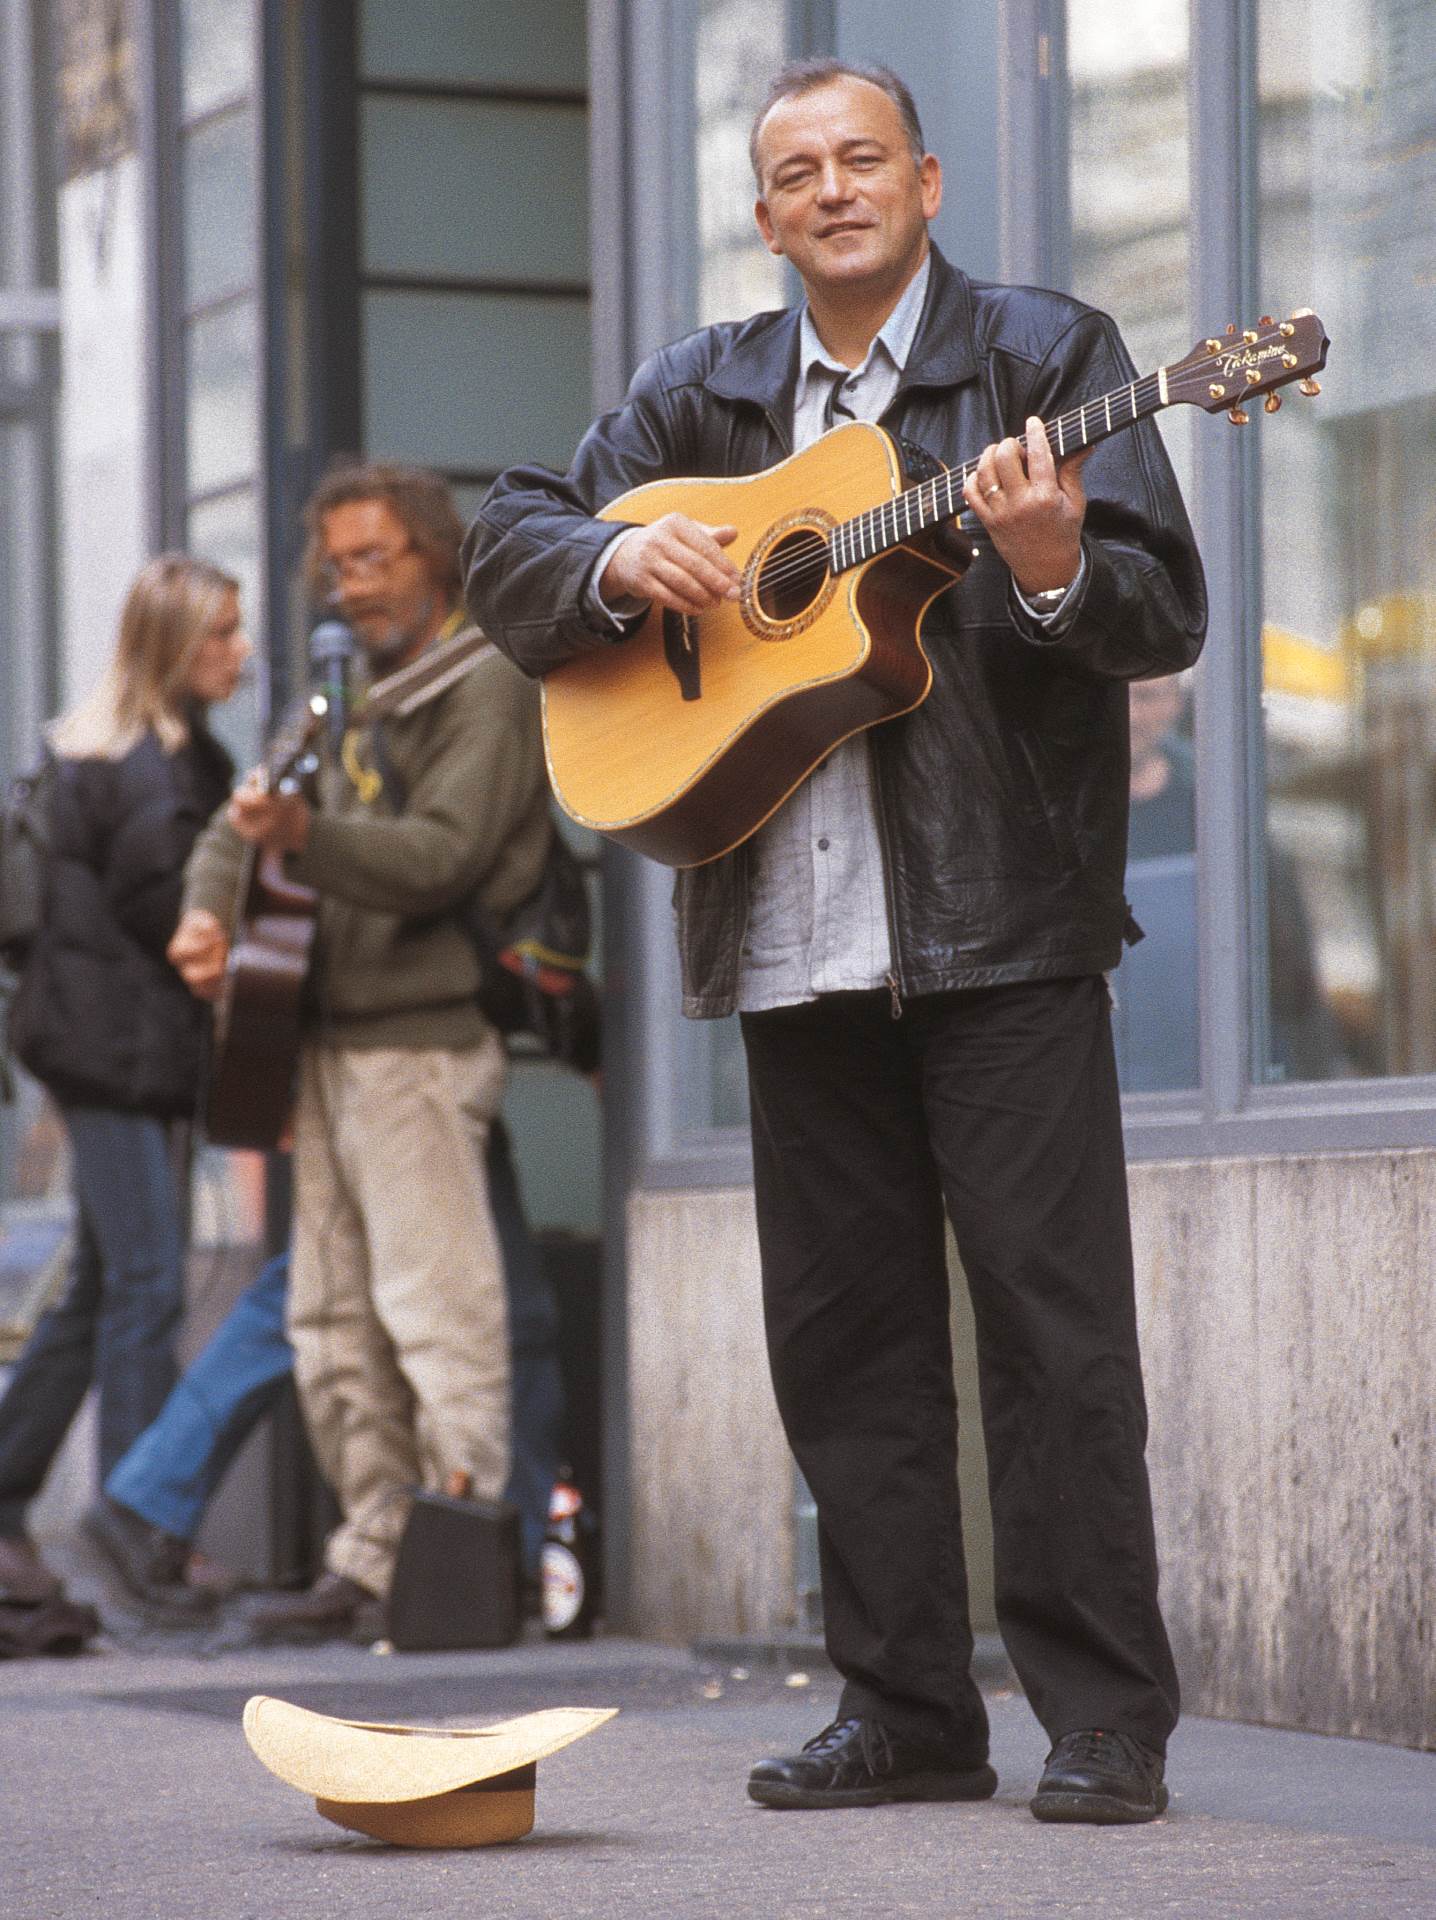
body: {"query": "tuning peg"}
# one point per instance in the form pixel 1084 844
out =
pixel 1233 327
pixel 1267 320
pixel 1251 336
pixel 1238 416
pixel 1309 387
pixel 1272 403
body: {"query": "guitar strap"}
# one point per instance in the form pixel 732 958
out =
pixel 457 650
pixel 391 781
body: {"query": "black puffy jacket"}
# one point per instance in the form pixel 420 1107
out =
pixel 1002 799
pixel 101 1018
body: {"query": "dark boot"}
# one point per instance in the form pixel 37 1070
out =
pixel 334 1608
pixel 149 1561
pixel 25 1580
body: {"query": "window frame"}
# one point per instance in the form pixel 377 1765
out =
pixel 1231 1114
pixel 164 128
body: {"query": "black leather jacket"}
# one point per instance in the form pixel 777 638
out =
pixel 101 1018
pixel 1002 799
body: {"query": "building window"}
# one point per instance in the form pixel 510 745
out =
pixel 1293 173
pixel 211 305
pixel 473 241
pixel 1129 253
pixel 1346 223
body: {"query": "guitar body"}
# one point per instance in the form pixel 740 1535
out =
pixel 256 1022
pixel 682 740
pixel 254 1040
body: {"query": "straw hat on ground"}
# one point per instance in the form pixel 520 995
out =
pixel 416 1786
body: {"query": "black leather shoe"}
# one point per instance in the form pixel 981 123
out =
pixel 148 1560
pixel 861 1763
pixel 333 1608
pixel 1105 1778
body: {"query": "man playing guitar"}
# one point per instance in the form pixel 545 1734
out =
pixel 917 941
pixel 396 1306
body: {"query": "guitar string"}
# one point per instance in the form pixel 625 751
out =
pixel 869 528
pixel 862 528
pixel 866 529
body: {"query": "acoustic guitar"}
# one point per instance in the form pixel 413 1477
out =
pixel 684 739
pixel 254 1048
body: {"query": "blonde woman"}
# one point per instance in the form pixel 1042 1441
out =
pixel 104 1022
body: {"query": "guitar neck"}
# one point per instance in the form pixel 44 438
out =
pixel 941 498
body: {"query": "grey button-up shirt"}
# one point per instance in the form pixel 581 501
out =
pixel 817 920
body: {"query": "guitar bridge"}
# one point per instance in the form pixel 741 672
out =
pixel 680 650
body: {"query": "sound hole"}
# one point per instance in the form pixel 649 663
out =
pixel 793 575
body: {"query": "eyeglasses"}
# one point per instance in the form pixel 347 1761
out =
pixel 365 563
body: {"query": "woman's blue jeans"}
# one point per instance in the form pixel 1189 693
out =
pixel 115 1327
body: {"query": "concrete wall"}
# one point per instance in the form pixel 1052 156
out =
pixel 712 1481
pixel 713 1550
pixel 1290 1344
pixel 1289 1335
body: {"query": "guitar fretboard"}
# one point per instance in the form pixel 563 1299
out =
pixel 941 498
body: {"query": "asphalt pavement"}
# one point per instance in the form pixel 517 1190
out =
pixel 128 1793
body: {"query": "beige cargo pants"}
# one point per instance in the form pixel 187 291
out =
pixel 397 1306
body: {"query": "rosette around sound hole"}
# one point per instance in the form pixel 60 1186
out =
pixel 792 574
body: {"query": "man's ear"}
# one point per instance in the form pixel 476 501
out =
pixel 929 175
pixel 765 226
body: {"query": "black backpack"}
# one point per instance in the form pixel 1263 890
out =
pixel 24 858
pixel 531 964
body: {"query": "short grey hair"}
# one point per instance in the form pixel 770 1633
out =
pixel 798 77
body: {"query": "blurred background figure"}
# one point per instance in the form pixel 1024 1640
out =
pixel 1155 1019
pixel 1156 1022
pixel 397 1307
pixel 104 1022
pixel 149 1514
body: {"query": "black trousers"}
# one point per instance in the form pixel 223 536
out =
pixel 1002 1105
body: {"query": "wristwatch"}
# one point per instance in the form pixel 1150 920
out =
pixel 1049 600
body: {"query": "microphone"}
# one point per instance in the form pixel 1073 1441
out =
pixel 331 649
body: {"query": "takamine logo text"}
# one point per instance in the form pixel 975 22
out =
pixel 1234 363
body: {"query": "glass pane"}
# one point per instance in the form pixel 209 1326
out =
pixel 216 52
pixel 739 45
pixel 1127 121
pixel 495 161
pixel 1347 224
pixel 222 397
pixel 472 381
pixel 1155 993
pixel 469 497
pixel 218 161
pixel 226 531
pixel 500 43
pixel 548 1109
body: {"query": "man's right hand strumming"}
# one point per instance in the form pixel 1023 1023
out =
pixel 677 563
pixel 199 952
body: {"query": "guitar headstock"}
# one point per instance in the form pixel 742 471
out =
pixel 290 753
pixel 1224 370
